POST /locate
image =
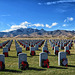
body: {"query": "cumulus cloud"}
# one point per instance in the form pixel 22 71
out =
pixel 38 24
pixel 56 2
pixel 27 24
pixel 18 26
pixel 64 25
pixel 53 24
pixel 15 27
pixel 7 30
pixel 48 26
pixel 23 25
pixel 69 19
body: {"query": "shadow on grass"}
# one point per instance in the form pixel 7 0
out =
pixel 36 55
pixel 32 56
pixel 13 56
pixel 71 65
pixel 11 50
pixel 29 56
pixel 37 69
pixel 57 67
pixel 72 54
pixel 38 50
pixel 52 55
pixel 14 71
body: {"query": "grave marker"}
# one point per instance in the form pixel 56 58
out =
pixel 56 50
pixel 32 51
pixel 67 50
pixel 43 60
pixel 62 60
pixel 2 62
pixel 22 59
pixel 19 50
pixel 5 51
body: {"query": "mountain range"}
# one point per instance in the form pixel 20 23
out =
pixel 29 32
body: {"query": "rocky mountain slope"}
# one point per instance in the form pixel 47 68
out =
pixel 29 32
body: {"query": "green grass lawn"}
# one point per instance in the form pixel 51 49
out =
pixel 11 63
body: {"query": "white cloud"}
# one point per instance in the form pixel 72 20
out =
pixel 27 24
pixel 65 20
pixel 7 30
pixel 53 24
pixel 23 25
pixel 56 2
pixel 69 19
pixel 39 3
pixel 48 26
pixel 18 26
pixel 38 24
pixel 64 25
pixel 49 3
pixel 15 27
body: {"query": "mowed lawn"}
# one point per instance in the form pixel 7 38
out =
pixel 11 63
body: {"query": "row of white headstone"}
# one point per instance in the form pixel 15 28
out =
pixel 18 48
pixel 60 43
pixel 7 48
pixel 67 45
pixel 29 43
pixel 25 43
pixel 43 60
pixel 3 43
pixel 45 48
pixel 43 57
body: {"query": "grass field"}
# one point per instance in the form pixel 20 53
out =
pixel 11 63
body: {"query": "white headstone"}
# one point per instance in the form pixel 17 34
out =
pixel 44 48
pixel 56 48
pixel 42 56
pixel 2 58
pixel 27 46
pixel 36 47
pixel 61 46
pixel 5 49
pixel 66 48
pixel 22 57
pixel 32 49
pixel 53 46
pixel 19 49
pixel 61 55
pixel 0 45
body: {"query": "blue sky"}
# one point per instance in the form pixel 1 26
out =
pixel 47 14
